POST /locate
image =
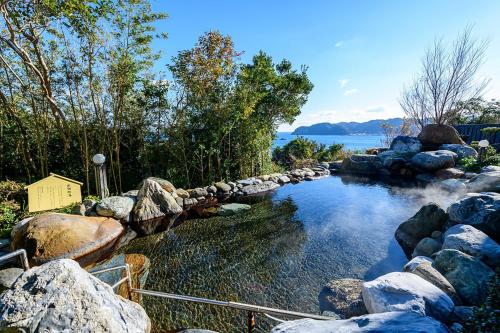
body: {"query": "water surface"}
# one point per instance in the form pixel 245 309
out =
pixel 350 142
pixel 280 254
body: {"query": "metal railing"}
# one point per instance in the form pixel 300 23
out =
pixel 249 308
pixel 17 253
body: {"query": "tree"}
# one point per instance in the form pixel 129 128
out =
pixel 448 75
pixel 477 111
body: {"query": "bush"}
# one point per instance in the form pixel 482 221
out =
pixel 486 318
pixel 489 157
pixel 302 152
pixel 12 199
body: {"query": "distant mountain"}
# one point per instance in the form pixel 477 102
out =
pixel 347 128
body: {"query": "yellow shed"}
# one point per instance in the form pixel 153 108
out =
pixel 52 192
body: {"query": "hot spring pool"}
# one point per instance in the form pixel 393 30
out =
pixel 279 254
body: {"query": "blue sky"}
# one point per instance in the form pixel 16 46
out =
pixel 359 53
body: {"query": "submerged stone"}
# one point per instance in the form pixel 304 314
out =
pixel 232 209
pixel 343 297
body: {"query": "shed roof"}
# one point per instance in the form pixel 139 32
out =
pixel 55 176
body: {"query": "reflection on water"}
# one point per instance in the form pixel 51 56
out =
pixel 279 254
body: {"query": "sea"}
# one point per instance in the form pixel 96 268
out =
pixel 350 142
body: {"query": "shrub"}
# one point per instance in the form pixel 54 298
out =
pixel 486 318
pixel 302 152
pixel 9 211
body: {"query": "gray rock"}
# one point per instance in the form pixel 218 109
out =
pixel 484 182
pixel 437 235
pixel 426 247
pixel 283 180
pixel 468 275
pixel 412 264
pixel 127 237
pixel 490 168
pixel 222 187
pixel 197 192
pixel 191 201
pixel 211 189
pixel 232 209
pixel 449 173
pixel 456 328
pixel 388 322
pixel 153 201
pixel 362 164
pixel 406 144
pixel 428 219
pixel 246 182
pixel 400 291
pixel 8 276
pixel 343 297
pixel 180 201
pixel 432 275
pixel 434 160
pixel 79 210
pixel 259 188
pixel 453 185
pixel 462 151
pixel 426 177
pixel 470 240
pixel 60 296
pixel 481 210
pixel 117 207
pixel 165 184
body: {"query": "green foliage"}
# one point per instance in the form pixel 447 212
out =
pixel 490 130
pixel 8 217
pixel 97 93
pixel 12 198
pixel 304 152
pixel 470 164
pixel 476 111
pixel 486 318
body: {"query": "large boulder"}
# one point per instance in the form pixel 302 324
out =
pixel 165 184
pixel 462 151
pixel 429 218
pixel 156 209
pixel 59 296
pixel 361 164
pixel 388 322
pixel 55 236
pixel 343 297
pixel 434 160
pixel 401 291
pixel 481 210
pixel 8 276
pixel 117 207
pixel 259 188
pixel 153 202
pixel 435 135
pixel 232 209
pixel 472 241
pixel 490 168
pixel 468 275
pixel 484 182
pixel 406 144
pixel 452 185
pixel 432 275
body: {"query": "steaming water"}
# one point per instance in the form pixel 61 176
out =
pixel 281 253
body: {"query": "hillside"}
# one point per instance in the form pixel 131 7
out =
pixel 347 128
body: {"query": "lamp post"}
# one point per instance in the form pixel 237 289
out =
pixel 483 144
pixel 101 182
